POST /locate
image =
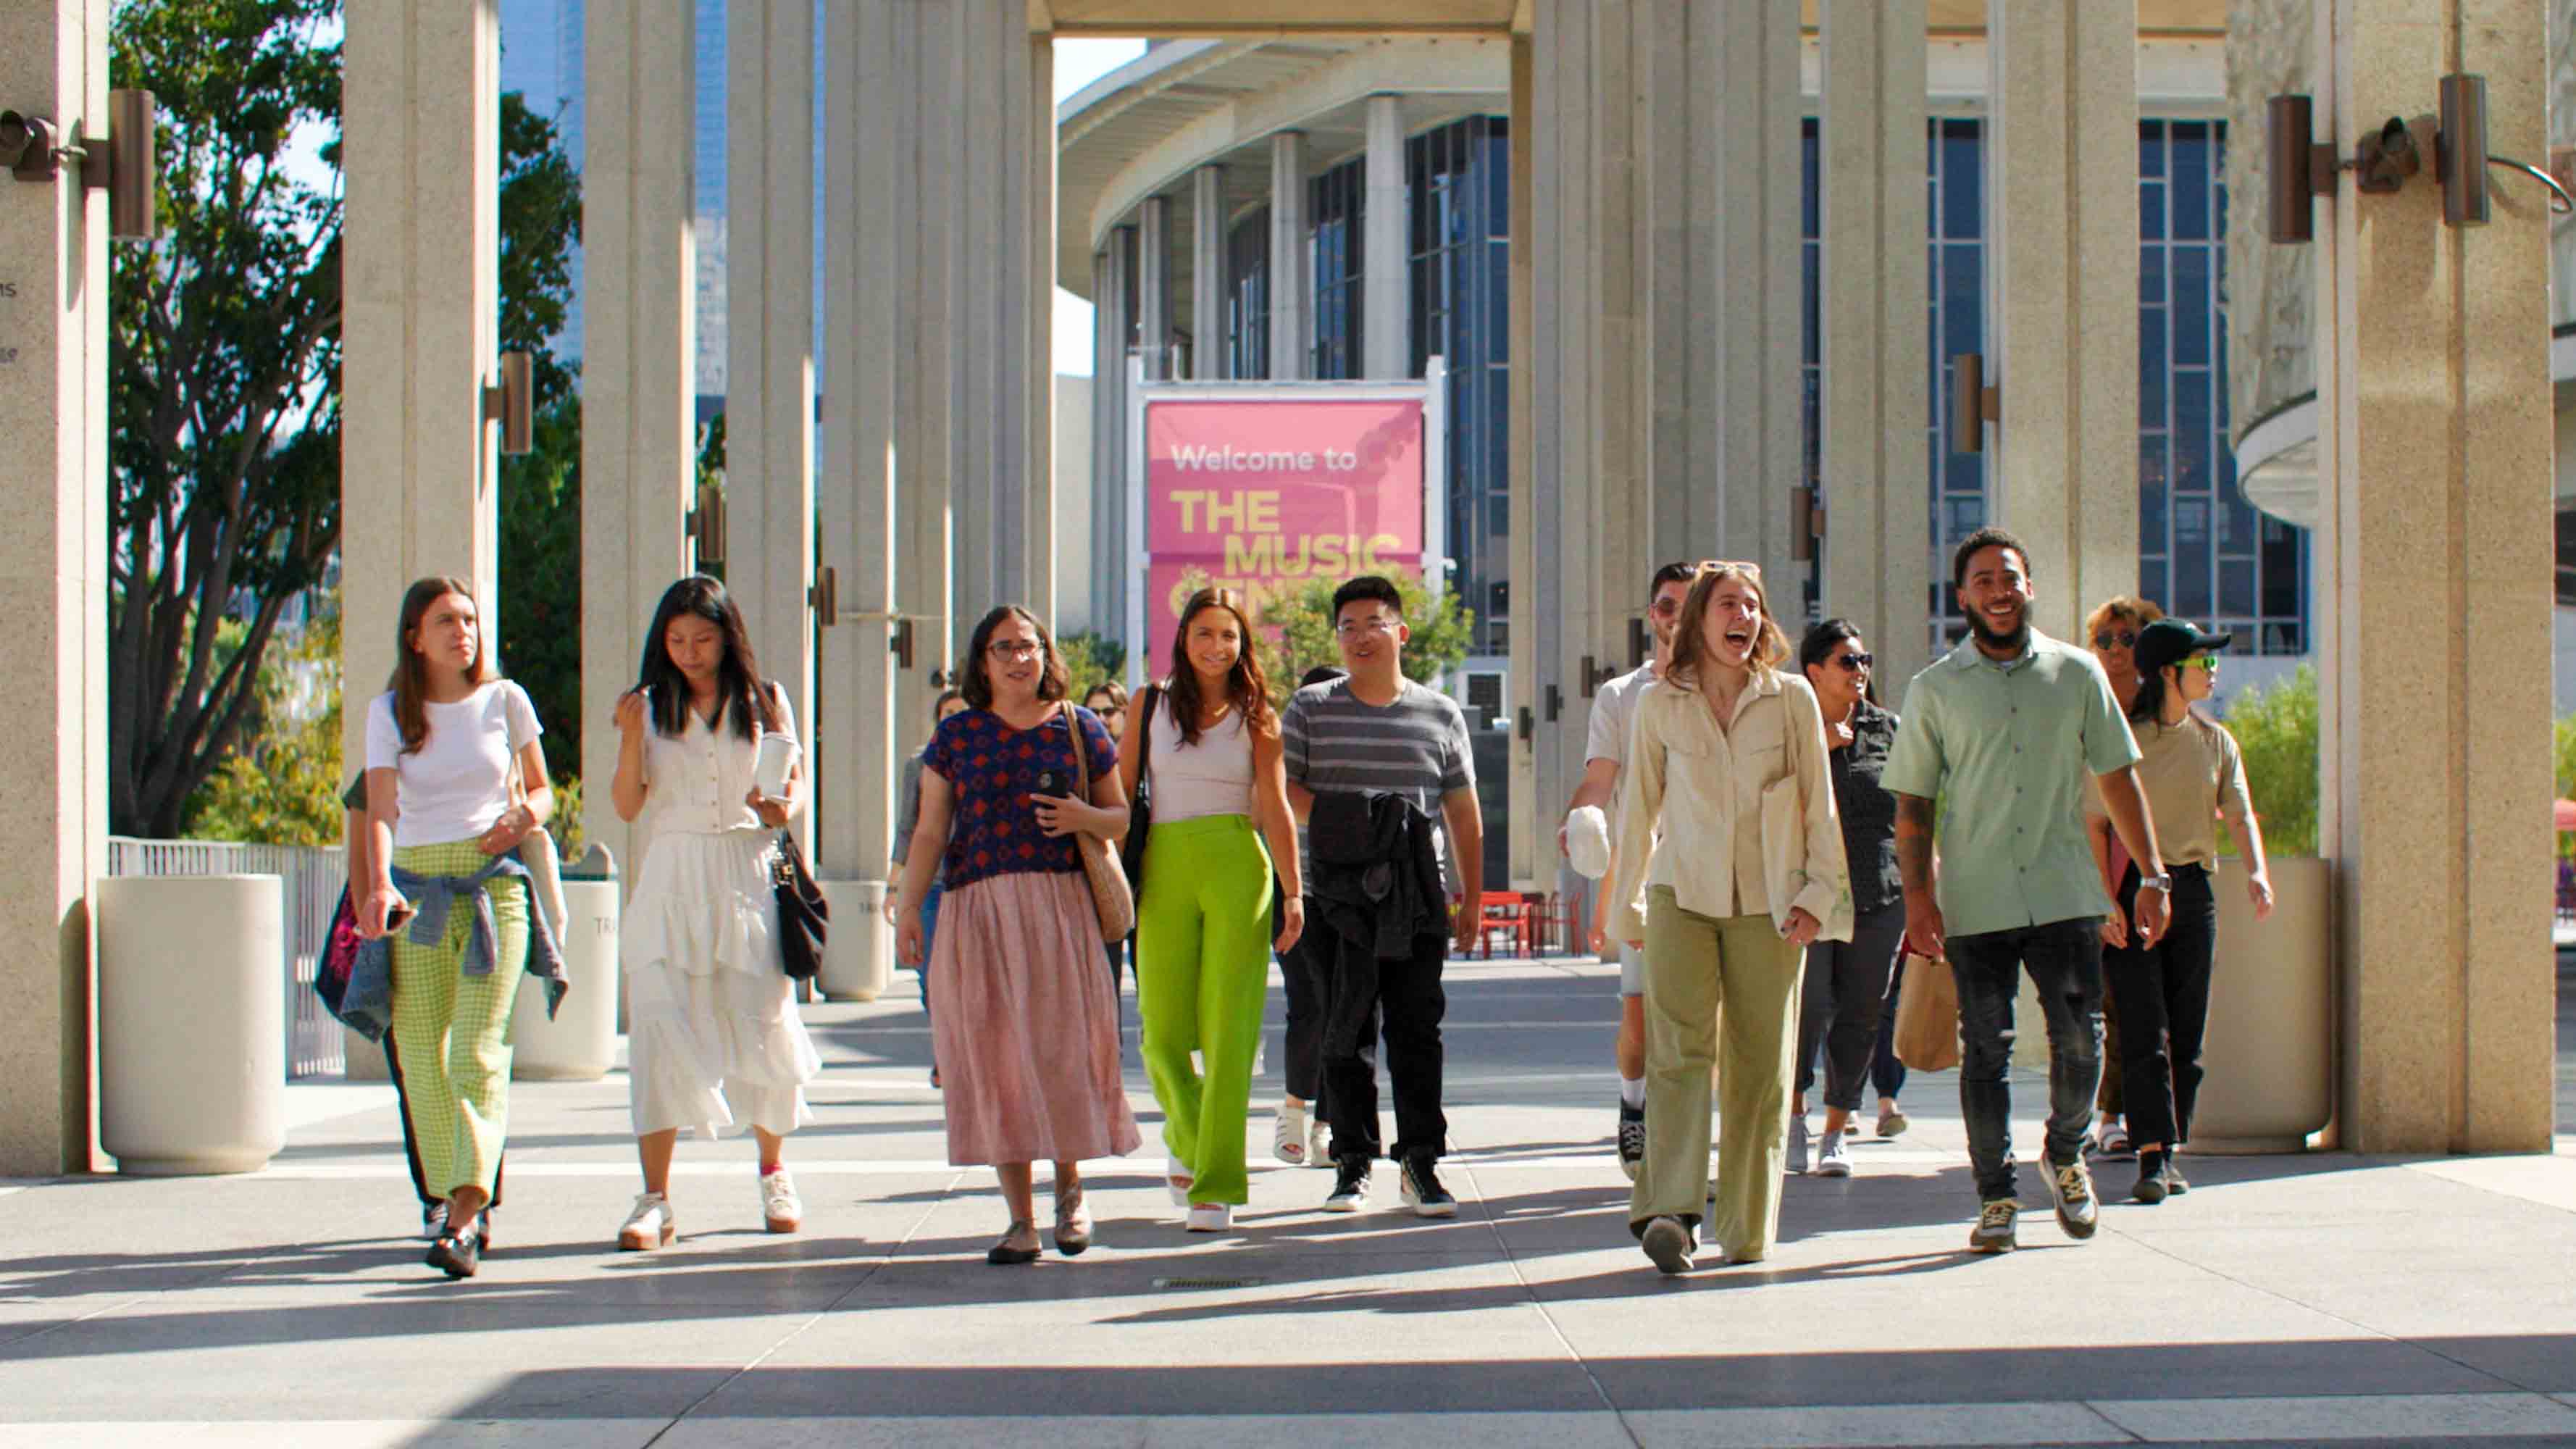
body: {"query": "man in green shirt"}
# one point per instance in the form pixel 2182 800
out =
pixel 1999 738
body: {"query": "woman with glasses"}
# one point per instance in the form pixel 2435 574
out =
pixel 2192 773
pixel 1027 1035
pixel 1846 985
pixel 2113 629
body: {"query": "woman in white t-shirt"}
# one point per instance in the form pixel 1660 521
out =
pixel 442 823
pixel 1208 742
pixel 713 1037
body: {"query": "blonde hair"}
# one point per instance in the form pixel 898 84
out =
pixel 1770 646
pixel 2127 608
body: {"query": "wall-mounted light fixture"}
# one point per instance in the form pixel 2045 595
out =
pixel 899 644
pixel 1528 725
pixel 512 403
pixel 707 524
pixel 2385 159
pixel 1555 703
pixel 1806 522
pixel 823 596
pixel 1636 642
pixel 1591 681
pixel 122 161
pixel 1972 403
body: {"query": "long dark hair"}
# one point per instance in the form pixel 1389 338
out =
pixel 978 683
pixel 410 679
pixel 1247 688
pixel 1823 641
pixel 740 694
pixel 2148 704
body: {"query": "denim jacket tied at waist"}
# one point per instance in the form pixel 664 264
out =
pixel 368 1008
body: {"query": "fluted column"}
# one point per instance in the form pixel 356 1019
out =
pixel 1154 286
pixel 1878 546
pixel 1292 281
pixel 1209 283
pixel 2063 316
pixel 638 390
pixel 1386 328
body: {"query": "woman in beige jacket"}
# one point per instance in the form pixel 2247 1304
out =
pixel 1730 863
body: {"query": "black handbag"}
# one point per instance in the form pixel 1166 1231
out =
pixel 1140 821
pixel 804 917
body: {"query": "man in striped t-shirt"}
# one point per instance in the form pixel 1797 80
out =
pixel 1377 733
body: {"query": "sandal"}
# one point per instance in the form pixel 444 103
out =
pixel 1002 1254
pixel 1072 1223
pixel 1288 1135
pixel 1177 1180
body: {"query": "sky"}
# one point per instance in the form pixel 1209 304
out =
pixel 1077 64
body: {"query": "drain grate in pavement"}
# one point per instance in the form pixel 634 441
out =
pixel 1204 1283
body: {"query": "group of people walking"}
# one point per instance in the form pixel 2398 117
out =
pixel 2028 811
pixel 1774 840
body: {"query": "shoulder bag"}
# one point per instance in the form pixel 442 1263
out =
pixel 804 914
pixel 1140 811
pixel 1112 899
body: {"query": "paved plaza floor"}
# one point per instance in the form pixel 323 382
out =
pixel 2319 1299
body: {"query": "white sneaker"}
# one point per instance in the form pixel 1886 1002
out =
pixel 1288 1135
pixel 1799 1139
pixel 649 1226
pixel 781 1211
pixel 1834 1159
pixel 1210 1217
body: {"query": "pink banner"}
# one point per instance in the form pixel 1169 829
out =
pixel 1263 496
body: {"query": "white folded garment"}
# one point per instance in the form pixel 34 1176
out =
pixel 1587 842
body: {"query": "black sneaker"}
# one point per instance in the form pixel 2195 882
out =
pixel 1350 1186
pixel 2173 1176
pixel 1420 1187
pixel 2155 1178
pixel 1632 1139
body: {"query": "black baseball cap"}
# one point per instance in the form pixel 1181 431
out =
pixel 2171 641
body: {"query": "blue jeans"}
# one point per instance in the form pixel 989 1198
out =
pixel 929 925
pixel 2064 959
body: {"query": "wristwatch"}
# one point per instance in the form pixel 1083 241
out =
pixel 2156 883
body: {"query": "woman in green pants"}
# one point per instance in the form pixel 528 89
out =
pixel 1207 744
pixel 442 743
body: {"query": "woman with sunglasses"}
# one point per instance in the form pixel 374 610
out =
pixel 1846 985
pixel 2192 773
pixel 2113 629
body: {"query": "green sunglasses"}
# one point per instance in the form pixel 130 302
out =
pixel 2208 662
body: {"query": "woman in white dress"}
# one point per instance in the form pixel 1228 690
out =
pixel 714 1039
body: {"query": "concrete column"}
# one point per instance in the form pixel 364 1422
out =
pixel 1737 109
pixel 1209 282
pixel 1878 546
pixel 53 577
pixel 1532 846
pixel 1292 282
pixel 861 727
pixel 422 332
pixel 1110 581
pixel 2434 461
pixel 769 403
pixel 1154 286
pixel 2063 320
pixel 1386 292
pixel 999 237
pixel 638 391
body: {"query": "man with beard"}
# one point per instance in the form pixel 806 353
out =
pixel 1614 711
pixel 1998 738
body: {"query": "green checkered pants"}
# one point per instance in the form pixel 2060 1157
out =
pixel 453 1030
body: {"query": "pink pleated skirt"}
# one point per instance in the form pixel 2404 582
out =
pixel 1027 1027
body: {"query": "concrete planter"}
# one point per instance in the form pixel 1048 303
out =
pixel 191 1022
pixel 2270 1052
pixel 858 956
pixel 580 1043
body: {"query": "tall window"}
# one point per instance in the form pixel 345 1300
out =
pixel 1957 323
pixel 1247 303
pixel 2204 552
pixel 1459 235
pixel 1335 200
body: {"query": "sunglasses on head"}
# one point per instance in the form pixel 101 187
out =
pixel 2109 639
pixel 1855 661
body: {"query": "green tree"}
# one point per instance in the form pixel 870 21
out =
pixel 223 383
pixel 540 505
pixel 1303 622
pixel 2276 728
pixel 1091 659
pixel 283 786
pixel 2565 742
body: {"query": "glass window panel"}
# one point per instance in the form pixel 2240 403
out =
pixel 2235 527
pixel 2151 275
pixel 2191 306
pixel 1811 268
pixel 2153 375
pixel 2190 173
pixel 1963 182
pixel 2191 527
pixel 2191 437
pixel 2151 580
pixel 2190 595
pixel 2236 586
pixel 1498 300
pixel 2151 148
pixel 1967 475
pixel 2151 211
pixel 1808 167
pixel 1962 299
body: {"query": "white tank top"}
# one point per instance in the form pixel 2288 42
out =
pixel 1212 777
